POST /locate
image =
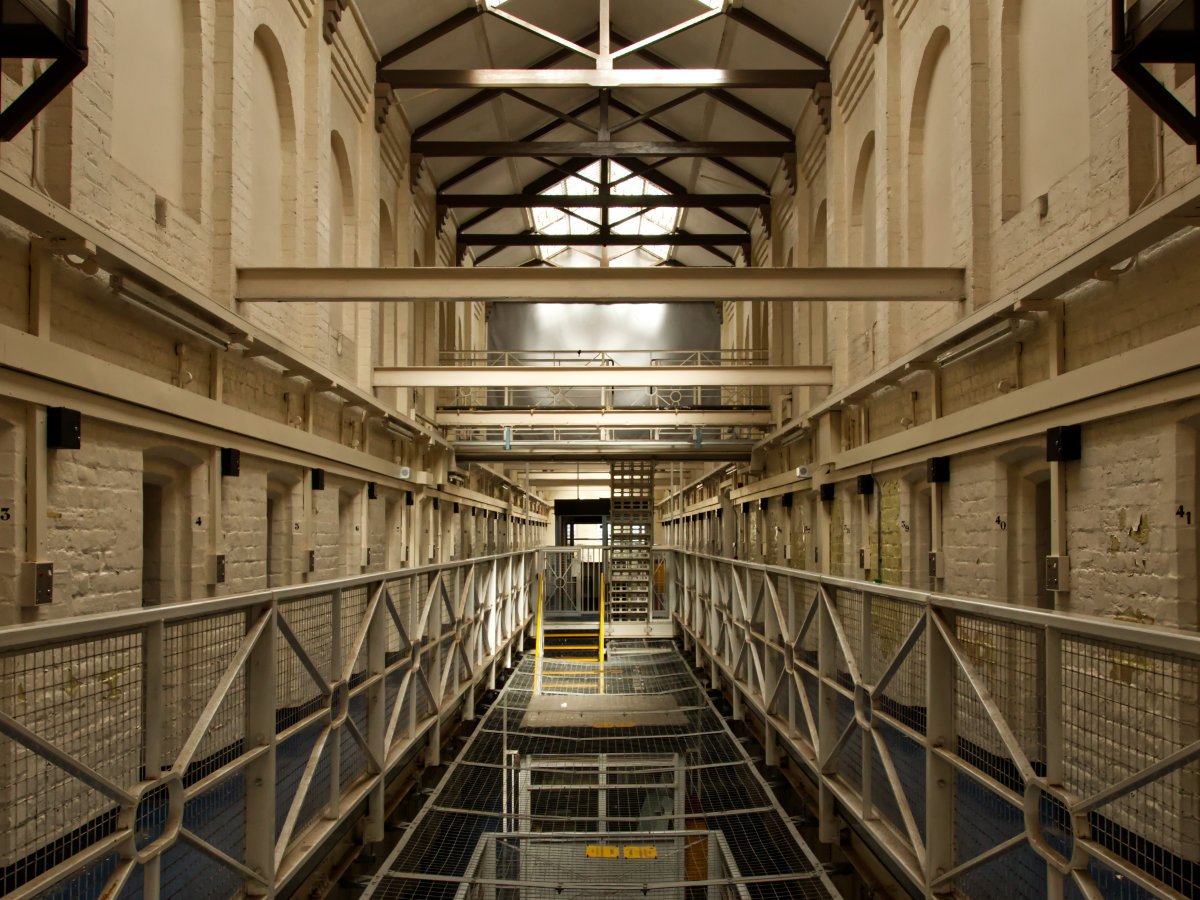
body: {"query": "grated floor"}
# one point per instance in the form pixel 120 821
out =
pixel 476 837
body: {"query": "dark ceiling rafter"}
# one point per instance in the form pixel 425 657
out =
pixel 640 201
pixel 548 109
pixel 443 28
pixel 677 146
pixel 596 79
pixel 717 160
pixel 35 31
pixel 656 111
pixel 671 186
pixel 478 166
pixel 638 168
pixel 721 95
pixel 480 98
pixel 537 185
pixel 644 168
pixel 776 35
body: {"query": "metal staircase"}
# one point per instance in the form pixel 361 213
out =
pixel 629 570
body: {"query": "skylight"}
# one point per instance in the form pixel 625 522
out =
pixel 622 220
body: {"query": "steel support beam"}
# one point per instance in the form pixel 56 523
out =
pixel 573 418
pixel 656 285
pixel 596 201
pixel 532 239
pixel 427 79
pixel 602 376
pixel 602 149
pixel 594 451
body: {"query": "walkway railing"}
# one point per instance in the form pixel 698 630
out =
pixel 984 749
pixel 220 742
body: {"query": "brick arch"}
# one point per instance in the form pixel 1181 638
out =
pixel 930 145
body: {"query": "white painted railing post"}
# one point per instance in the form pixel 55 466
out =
pixel 334 747
pixel 940 680
pixel 261 668
pixel 826 716
pixel 377 713
pixel 153 656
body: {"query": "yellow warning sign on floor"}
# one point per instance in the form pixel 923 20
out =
pixel 641 853
pixel 599 851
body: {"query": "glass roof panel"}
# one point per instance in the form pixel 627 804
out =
pixel 622 220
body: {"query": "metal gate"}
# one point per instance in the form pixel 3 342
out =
pixel 571 584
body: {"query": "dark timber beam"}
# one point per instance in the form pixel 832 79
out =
pixel 677 239
pixel 718 159
pixel 480 165
pixel 426 38
pixel 777 35
pixel 518 79
pixel 603 149
pixel 479 98
pixel 615 201
pixel 724 97
pixel 533 187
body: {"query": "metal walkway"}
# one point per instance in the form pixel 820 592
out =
pixel 639 791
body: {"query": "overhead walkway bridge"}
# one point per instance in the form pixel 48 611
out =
pixel 223 747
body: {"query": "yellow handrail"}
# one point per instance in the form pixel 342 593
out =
pixel 537 651
pixel 601 654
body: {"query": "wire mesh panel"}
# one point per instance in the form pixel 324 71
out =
pixel 979 743
pixel 206 749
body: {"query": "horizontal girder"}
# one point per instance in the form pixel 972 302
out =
pixel 602 376
pixel 425 79
pixel 604 418
pixel 615 285
pixel 677 239
pixel 603 149
pixel 597 201
pixel 596 451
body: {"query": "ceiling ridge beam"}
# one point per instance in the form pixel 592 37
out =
pixel 636 201
pixel 423 79
pixel 532 239
pixel 676 146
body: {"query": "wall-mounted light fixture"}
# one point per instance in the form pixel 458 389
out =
pixel 165 311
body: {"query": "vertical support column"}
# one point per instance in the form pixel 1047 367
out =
pixel 1052 673
pixel 940 680
pixel 826 716
pixel 260 732
pixel 772 630
pixel 335 678
pixel 152 730
pixel 377 716
pixel 604 47
pixel 868 742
